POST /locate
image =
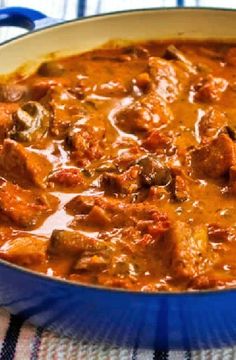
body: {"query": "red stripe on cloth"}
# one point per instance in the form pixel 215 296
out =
pixel 25 342
pixel 36 344
pixel 4 323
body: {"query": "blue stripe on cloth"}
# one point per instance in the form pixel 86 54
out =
pixel 187 355
pixel 160 355
pixel 36 344
pixel 81 8
pixel 134 353
pixel 11 338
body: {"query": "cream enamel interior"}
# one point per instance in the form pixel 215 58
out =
pixel 77 36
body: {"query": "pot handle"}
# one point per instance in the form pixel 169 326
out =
pixel 27 18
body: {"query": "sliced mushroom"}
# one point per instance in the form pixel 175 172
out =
pixel 172 53
pixel 31 122
pixel 231 131
pixel 154 172
pixel 51 68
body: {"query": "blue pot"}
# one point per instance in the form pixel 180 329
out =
pixel 191 320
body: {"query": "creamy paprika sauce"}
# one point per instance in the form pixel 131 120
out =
pixel 118 167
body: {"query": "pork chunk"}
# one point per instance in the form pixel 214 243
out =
pixel 24 250
pixel 143 115
pixel 210 89
pixel 22 165
pixel 157 142
pixel 6 122
pixel 127 182
pixel 188 250
pixel 111 212
pixel 67 177
pixel 66 109
pixel 180 189
pixel 87 144
pixel 210 124
pixel 98 217
pixel 216 158
pixel 164 75
pixel 25 208
pixel 81 204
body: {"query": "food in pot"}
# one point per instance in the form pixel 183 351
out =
pixel 118 167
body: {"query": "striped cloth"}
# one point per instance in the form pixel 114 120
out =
pixel 20 340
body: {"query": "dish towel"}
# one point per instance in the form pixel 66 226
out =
pixel 20 340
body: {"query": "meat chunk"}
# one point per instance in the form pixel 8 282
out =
pixel 158 142
pixel 230 56
pixel 213 279
pixel 143 82
pixel 145 219
pixel 6 122
pixel 216 158
pixel 66 109
pixel 91 262
pixel 81 204
pixel 188 250
pixel 164 75
pixel 87 144
pixel 144 114
pixel 24 250
pixel 210 89
pixel 154 223
pixel 111 212
pixel 210 124
pixel 218 233
pixel 67 177
pixel 127 158
pixel 180 189
pixel 25 208
pixel 72 243
pixel 134 118
pixel 125 183
pixel 90 211
pixel 98 217
pixel 204 282
pixel 22 165
pixel 111 89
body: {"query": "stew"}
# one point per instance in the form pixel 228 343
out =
pixel 118 167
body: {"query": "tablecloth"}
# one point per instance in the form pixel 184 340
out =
pixel 20 340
